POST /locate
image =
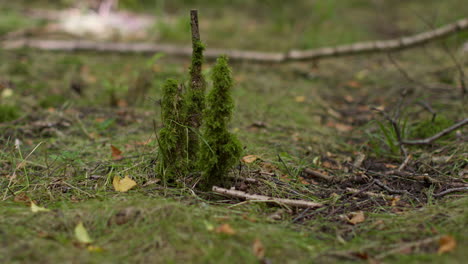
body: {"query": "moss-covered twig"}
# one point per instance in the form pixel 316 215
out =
pixel 196 93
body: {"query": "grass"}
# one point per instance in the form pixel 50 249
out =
pixel 57 149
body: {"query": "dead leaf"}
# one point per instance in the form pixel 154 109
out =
pixel 225 229
pixel 22 198
pixel 250 158
pixel 339 126
pixel 37 209
pixel 123 185
pixel 394 201
pixel 258 249
pixel 356 218
pixel 300 99
pixel 81 234
pixel 353 84
pixel 116 153
pixel 446 244
pixel 304 181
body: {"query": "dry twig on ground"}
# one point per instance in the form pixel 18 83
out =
pixel 256 197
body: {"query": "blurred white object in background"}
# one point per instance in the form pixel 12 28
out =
pixel 105 23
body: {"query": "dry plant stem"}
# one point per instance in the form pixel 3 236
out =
pixel 256 197
pixel 318 175
pixel 436 136
pixel 396 128
pixel 241 55
pixel 390 190
pixel 409 245
pixel 459 189
pixel 405 162
pixel 369 194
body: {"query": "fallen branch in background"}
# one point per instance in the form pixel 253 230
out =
pixel 256 197
pixel 240 55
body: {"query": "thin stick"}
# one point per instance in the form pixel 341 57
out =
pixel 436 136
pixel 256 197
pixel 390 190
pixel 369 194
pixel 409 245
pixel 459 189
pixel 243 55
pixel 318 175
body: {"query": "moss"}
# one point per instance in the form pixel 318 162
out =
pixel 222 149
pixel 430 127
pixel 52 100
pixel 195 99
pixel 173 136
pixel 8 113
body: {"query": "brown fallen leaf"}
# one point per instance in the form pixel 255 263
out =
pixel 356 218
pixel 258 249
pixel 22 198
pixel 116 153
pixel 250 158
pixel 446 244
pixel 225 229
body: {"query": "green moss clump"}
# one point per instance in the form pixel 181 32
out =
pixel 195 99
pixel 8 113
pixel 221 149
pixel 173 136
pixel 429 128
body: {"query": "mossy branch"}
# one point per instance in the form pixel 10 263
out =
pixel 196 94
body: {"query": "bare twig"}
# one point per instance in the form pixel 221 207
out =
pixel 395 127
pixel 406 246
pixel 318 175
pixel 256 56
pixel 256 197
pixel 405 162
pixel 436 136
pixel 369 194
pixel 390 190
pixel 459 189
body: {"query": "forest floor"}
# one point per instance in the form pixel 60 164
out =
pixel 314 131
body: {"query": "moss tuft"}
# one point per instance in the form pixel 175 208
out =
pixel 173 136
pixel 222 149
pixel 8 113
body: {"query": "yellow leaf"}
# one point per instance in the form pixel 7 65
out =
pixel 300 99
pixel 7 93
pixel 258 249
pixel 225 229
pixel 249 158
pixel 446 244
pixel 123 185
pixel 356 218
pixel 81 234
pixel 92 248
pixel 37 209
